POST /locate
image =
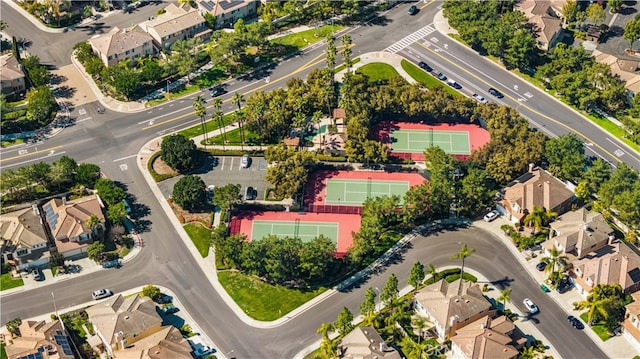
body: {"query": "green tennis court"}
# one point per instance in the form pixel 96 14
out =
pixel 355 192
pixel 306 231
pixel 416 141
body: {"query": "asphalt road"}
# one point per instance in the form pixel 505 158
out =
pixel 112 140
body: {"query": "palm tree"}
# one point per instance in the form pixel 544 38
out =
pixel 201 111
pixel 536 218
pixel 217 116
pixel 555 258
pixel 505 296
pixel 431 269
pixel 238 99
pixel 462 255
pixel 595 304
pixel 327 345
pixel 92 222
pixel 346 51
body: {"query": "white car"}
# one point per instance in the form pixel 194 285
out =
pixel 102 293
pixel 489 217
pixel 531 307
pixel 479 98
pixel 203 351
pixel 245 161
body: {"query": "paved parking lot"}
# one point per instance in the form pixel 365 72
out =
pixel 226 169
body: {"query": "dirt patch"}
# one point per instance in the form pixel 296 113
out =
pixel 185 216
pixel 161 168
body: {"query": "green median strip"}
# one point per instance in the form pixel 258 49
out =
pixel 426 79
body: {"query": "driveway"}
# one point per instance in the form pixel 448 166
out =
pixel 223 170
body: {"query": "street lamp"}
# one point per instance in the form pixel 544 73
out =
pixel 379 300
pixel 168 82
pixel 55 309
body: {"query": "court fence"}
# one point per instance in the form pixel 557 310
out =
pixel 326 208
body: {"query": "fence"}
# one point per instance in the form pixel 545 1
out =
pixel 323 208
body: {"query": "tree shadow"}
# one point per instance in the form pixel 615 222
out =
pixel 57 79
pixel 66 92
pixel 95 28
pixel 628 9
pixel 614 31
pixel 24 43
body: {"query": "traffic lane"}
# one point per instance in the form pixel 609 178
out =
pixel 542 110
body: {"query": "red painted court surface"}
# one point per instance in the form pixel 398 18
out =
pixel 477 137
pixel 346 224
pixel 316 187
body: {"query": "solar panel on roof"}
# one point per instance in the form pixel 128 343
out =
pixel 52 217
pixel 63 341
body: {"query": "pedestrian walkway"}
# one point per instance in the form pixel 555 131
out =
pixel 410 39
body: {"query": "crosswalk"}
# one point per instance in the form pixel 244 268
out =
pixel 410 39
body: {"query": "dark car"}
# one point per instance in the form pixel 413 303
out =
pixel 250 194
pixel 563 287
pixel 575 322
pixel 412 10
pixel 495 93
pixel 441 76
pixel 169 309
pixel 423 65
pixel 541 266
pixel 217 91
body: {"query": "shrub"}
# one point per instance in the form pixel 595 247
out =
pixel 152 292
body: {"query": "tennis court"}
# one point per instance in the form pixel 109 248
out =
pixel 355 192
pixel 306 231
pixel 416 141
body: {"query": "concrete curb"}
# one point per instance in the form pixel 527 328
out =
pixel 32 20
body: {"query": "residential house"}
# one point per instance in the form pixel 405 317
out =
pixel 487 338
pixel 365 343
pixel 12 76
pixel 179 22
pixel 24 240
pixel 121 322
pixel 227 12
pixel 121 44
pixel 624 67
pixel 451 308
pixel 631 323
pixel 611 264
pixel 166 343
pixel 67 221
pixel 535 188
pixel 40 340
pixel 579 232
pixel 546 16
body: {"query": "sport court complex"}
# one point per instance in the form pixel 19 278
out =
pixel 336 215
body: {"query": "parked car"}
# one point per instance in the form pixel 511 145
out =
pixel 423 65
pixel 489 217
pixel 575 322
pixel 127 207
pixel 479 98
pixel 495 92
pixel 545 288
pixel 454 84
pixel 441 76
pixel 250 194
pixel 203 350
pixel 169 309
pixel 164 299
pixel 37 276
pixel 210 189
pixel 563 287
pixel 245 161
pixel 541 266
pixel 412 10
pixel 102 293
pixel 531 307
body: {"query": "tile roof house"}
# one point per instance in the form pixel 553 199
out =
pixel 546 16
pixel 227 12
pixel 631 323
pixel 611 264
pixel 487 338
pixel 535 188
pixel 12 76
pixel 121 322
pixel 67 221
pixel 167 343
pixel 24 240
pixel 40 340
pixel 120 44
pixel 179 22
pixel 625 68
pixel 365 343
pixel 579 232
pixel 449 309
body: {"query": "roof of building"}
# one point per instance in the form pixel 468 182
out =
pixel 541 13
pixel 614 263
pixel 177 18
pixel 626 69
pixel 22 228
pixel 68 217
pixel 487 339
pixel 118 41
pixel 365 343
pixel 167 343
pixel 40 337
pixel 538 188
pixel 130 316
pixel 11 69
pixel 581 229
pixel 339 113
pixel 442 301
pixel 220 7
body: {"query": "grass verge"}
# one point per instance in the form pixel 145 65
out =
pixel 378 71
pixel 343 66
pixel 426 79
pixel 6 282
pixel 304 38
pixel 600 330
pixel 262 301
pixel 210 125
pixel 200 236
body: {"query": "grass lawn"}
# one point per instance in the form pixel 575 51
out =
pixel 6 282
pixel 200 236
pixel 234 138
pixel 302 39
pixel 600 330
pixel 3 353
pixel 262 301
pixel 425 79
pixel 342 67
pixel 378 71
pixel 210 125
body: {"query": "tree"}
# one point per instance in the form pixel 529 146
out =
pixel 536 218
pixel 521 50
pixel 346 51
pixel 152 292
pixel 554 260
pixel 95 251
pixel 597 308
pixel 416 276
pixel 614 5
pixel 227 196
pixel 201 111
pixel 178 152
pixel 41 104
pixel 183 56
pixel 189 192
pixel 92 222
pixel 87 174
pixel 566 156
pixel 343 324
pixel 505 296
pixel 110 193
pixel 632 31
pixel 62 171
pixel 569 10
pixel 390 291
pixel 324 330
pixel 217 116
pixel 38 74
pixel 596 13
pixel 368 306
pixel 238 99
pixel 125 80
pixel 464 253
pixel 56 258
pixel 13 326
pixel 117 213
pixel 151 71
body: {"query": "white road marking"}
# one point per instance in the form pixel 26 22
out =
pixel 123 158
pixel 23 152
pixel 84 119
pixel 124 167
pixel 82 112
pixel 410 39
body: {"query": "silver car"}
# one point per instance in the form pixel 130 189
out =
pixel 531 307
pixel 102 293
